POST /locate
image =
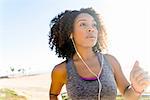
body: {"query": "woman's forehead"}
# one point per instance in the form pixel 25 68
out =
pixel 84 16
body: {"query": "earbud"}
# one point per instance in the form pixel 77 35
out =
pixel 70 36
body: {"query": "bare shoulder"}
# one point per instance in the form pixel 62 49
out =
pixel 60 67
pixel 113 61
pixel 59 71
pixel 111 58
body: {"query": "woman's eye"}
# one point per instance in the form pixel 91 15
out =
pixel 95 25
pixel 82 24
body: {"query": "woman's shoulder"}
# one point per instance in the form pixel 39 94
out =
pixel 113 61
pixel 111 58
pixel 60 68
pixel 59 71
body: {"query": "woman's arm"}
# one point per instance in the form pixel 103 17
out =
pixel 58 79
pixel 139 80
pixel 53 97
pixel 123 85
pixel 130 94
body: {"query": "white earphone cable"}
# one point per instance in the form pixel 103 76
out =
pixel 97 76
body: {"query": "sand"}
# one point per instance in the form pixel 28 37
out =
pixel 34 87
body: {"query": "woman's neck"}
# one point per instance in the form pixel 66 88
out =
pixel 84 53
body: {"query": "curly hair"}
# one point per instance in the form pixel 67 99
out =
pixel 61 28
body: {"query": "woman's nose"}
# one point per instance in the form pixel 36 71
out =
pixel 90 29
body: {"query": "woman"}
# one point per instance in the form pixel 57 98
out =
pixel 79 37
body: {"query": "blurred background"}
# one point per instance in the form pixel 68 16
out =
pixel 24 29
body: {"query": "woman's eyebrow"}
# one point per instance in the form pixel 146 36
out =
pixel 81 20
pixel 84 20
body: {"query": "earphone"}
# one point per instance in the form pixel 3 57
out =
pixel 97 76
pixel 71 37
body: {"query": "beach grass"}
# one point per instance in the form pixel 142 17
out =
pixel 9 94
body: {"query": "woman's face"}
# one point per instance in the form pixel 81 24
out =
pixel 85 30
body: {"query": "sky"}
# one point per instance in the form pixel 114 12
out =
pixel 24 29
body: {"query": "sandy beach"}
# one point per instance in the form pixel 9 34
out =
pixel 34 87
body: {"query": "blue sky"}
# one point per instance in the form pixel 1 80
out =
pixel 24 31
pixel 24 27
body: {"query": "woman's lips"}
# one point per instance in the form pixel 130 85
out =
pixel 91 37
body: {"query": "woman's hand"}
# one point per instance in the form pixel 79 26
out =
pixel 139 78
